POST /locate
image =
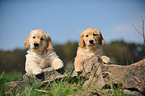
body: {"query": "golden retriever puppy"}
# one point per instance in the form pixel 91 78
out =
pixel 90 45
pixel 40 54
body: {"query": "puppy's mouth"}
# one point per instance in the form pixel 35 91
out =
pixel 35 47
pixel 92 44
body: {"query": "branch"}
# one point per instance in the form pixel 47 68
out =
pixel 142 19
pixel 138 37
pixel 136 29
pixel 138 21
pixel 41 90
pixel 143 29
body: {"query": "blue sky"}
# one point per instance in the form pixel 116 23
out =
pixel 64 20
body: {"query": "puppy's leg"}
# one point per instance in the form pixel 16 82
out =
pixel 78 64
pixel 105 59
pixel 36 69
pixel 33 68
pixel 57 63
pixel 54 60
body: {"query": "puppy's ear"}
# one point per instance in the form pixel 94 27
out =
pixel 81 42
pixel 49 46
pixel 26 42
pixel 101 39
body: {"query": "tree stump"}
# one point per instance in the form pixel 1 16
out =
pixel 96 73
pixel 49 74
pixel 100 74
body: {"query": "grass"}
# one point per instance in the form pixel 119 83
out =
pixel 67 87
pixel 8 78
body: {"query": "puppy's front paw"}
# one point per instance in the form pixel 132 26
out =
pixel 36 71
pixel 105 59
pixel 57 64
pixel 78 68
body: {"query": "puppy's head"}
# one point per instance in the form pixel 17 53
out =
pixel 91 37
pixel 38 40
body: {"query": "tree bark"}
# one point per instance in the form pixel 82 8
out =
pixel 100 74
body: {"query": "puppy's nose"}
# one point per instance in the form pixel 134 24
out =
pixel 36 44
pixel 91 41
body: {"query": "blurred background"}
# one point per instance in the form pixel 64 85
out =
pixel 120 21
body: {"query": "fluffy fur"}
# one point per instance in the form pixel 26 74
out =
pixel 40 54
pixel 90 45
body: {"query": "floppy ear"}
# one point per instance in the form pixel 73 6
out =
pixel 81 42
pixel 101 39
pixel 26 42
pixel 49 46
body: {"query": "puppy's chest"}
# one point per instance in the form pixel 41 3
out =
pixel 42 60
pixel 87 53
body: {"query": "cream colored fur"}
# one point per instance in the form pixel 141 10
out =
pixel 42 56
pixel 87 50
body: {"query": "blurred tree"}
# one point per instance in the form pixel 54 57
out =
pixel 124 53
pixel 12 60
pixel 67 53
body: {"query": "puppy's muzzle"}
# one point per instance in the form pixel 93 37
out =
pixel 36 45
pixel 91 42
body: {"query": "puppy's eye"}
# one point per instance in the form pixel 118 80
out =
pixel 86 35
pixel 95 34
pixel 42 39
pixel 34 37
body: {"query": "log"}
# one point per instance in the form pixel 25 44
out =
pixel 100 74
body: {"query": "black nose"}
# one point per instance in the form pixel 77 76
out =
pixel 91 41
pixel 36 44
